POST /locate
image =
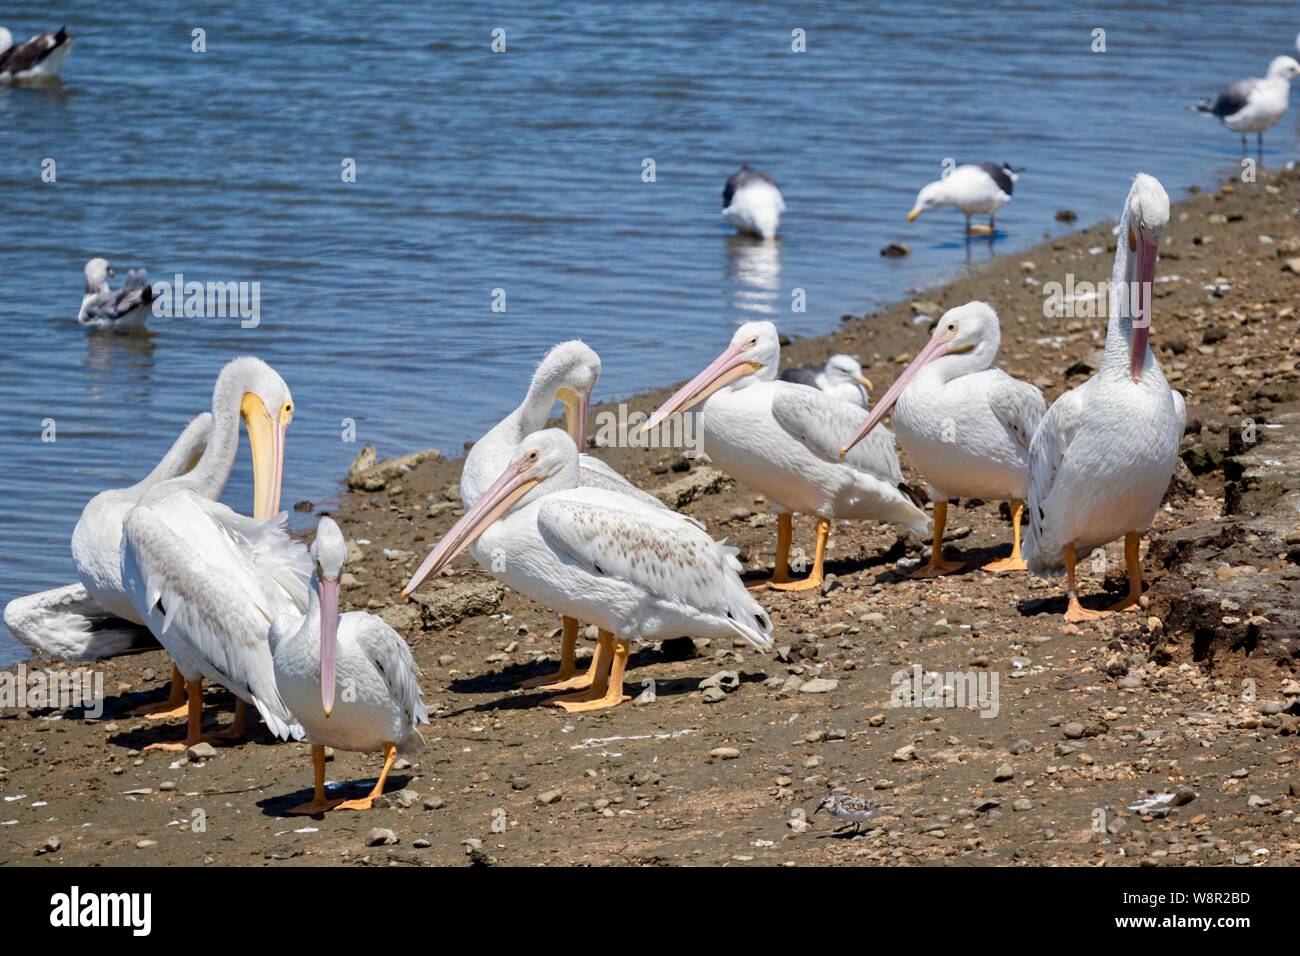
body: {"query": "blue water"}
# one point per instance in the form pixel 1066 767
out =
pixel 523 171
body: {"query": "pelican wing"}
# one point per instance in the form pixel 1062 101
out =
pixel 393 659
pixel 1046 452
pixel 211 582
pixel 658 552
pixel 1019 406
pixel 824 425
pixel 68 624
pixel 595 473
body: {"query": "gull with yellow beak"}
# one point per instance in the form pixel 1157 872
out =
pixel 1103 454
pixel 568 374
pixel 381 707
pixel 974 188
pixel 638 572
pixel 207 581
pixel 965 424
pixel 841 378
pixel 760 431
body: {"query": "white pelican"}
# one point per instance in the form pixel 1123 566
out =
pixel 965 424
pixel 1252 106
pixel 974 188
pixel 752 202
pixel 207 581
pixel 380 708
pixel 639 573
pixel 125 310
pixel 760 431
pixel 39 58
pixel 567 373
pixel 93 619
pixel 841 377
pixel 1104 452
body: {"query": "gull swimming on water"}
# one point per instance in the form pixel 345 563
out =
pixel 39 58
pixel 752 202
pixel 121 310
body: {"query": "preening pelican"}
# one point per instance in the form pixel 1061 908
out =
pixel 93 619
pixel 568 373
pixel 965 424
pixel 752 202
pixel 209 582
pixel 1103 454
pixel 1252 106
pixel 974 188
pixel 380 709
pixel 123 310
pixel 840 378
pixel 39 58
pixel 760 430
pixel 639 573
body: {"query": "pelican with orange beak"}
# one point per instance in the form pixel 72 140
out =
pixel 382 708
pixel 208 581
pixel 1103 454
pixel 965 424
pixel 764 433
pixel 637 571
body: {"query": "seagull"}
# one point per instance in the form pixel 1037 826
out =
pixel 123 310
pixel 965 424
pixel 1254 105
pixel 380 708
pixel 39 58
pixel 980 188
pixel 1103 454
pixel 752 202
pixel 848 809
pixel 840 378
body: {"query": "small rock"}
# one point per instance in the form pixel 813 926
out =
pixel 1004 772
pixel 201 751
pixel 549 797
pixel 1073 730
pixel 380 836
pixel 724 753
pixel 819 685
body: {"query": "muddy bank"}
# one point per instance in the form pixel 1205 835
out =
pixel 1166 737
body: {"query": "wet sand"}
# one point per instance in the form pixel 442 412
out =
pixel 1166 737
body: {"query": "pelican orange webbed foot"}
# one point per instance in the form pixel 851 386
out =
pixel 938 565
pixel 781 564
pixel 606 689
pixel 1076 613
pixel 368 801
pixel 1130 601
pixel 567 677
pixel 173 706
pixel 817 575
pixel 1015 562
pixel 319 803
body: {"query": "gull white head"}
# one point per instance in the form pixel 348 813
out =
pixel 1146 214
pixel 755 350
pixel 970 331
pixel 568 373
pixel 1284 67
pixel 266 406
pixel 845 368
pixel 932 196
pixel 97 272
pixel 329 552
pixel 544 462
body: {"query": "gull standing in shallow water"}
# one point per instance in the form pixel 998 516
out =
pixel 568 374
pixel 974 188
pixel 965 425
pixel 1103 455
pixel 125 310
pixel 1252 106
pixel 840 378
pixel 381 707
pixel 639 573
pixel 752 202
pixel 782 440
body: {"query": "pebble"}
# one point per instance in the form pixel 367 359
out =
pixel 724 753
pixel 201 751
pixel 1004 772
pixel 421 844
pixel 145 844
pixel 819 685
pixel 549 797
pixel 904 754
pixel 51 845
pixel 380 836
pixel 1021 805
pixel 1073 730
pixel 434 803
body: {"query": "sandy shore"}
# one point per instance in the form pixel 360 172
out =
pixel 1196 697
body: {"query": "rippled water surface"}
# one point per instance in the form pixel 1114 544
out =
pixel 522 171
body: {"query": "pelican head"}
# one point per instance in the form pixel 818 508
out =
pixel 932 196
pixel 545 461
pixel 845 368
pixel 266 406
pixel 755 349
pixel 329 552
pixel 568 374
pixel 97 272
pixel 1146 213
pixel 967 329
pixel 1284 67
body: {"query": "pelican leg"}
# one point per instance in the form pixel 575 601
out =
pixel 607 689
pixel 816 576
pixel 194 730
pixel 238 727
pixel 567 677
pixel 319 803
pixel 938 565
pixel 173 706
pixel 1076 612
pixel 781 564
pixel 1131 559
pixel 368 801
pixel 1015 562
